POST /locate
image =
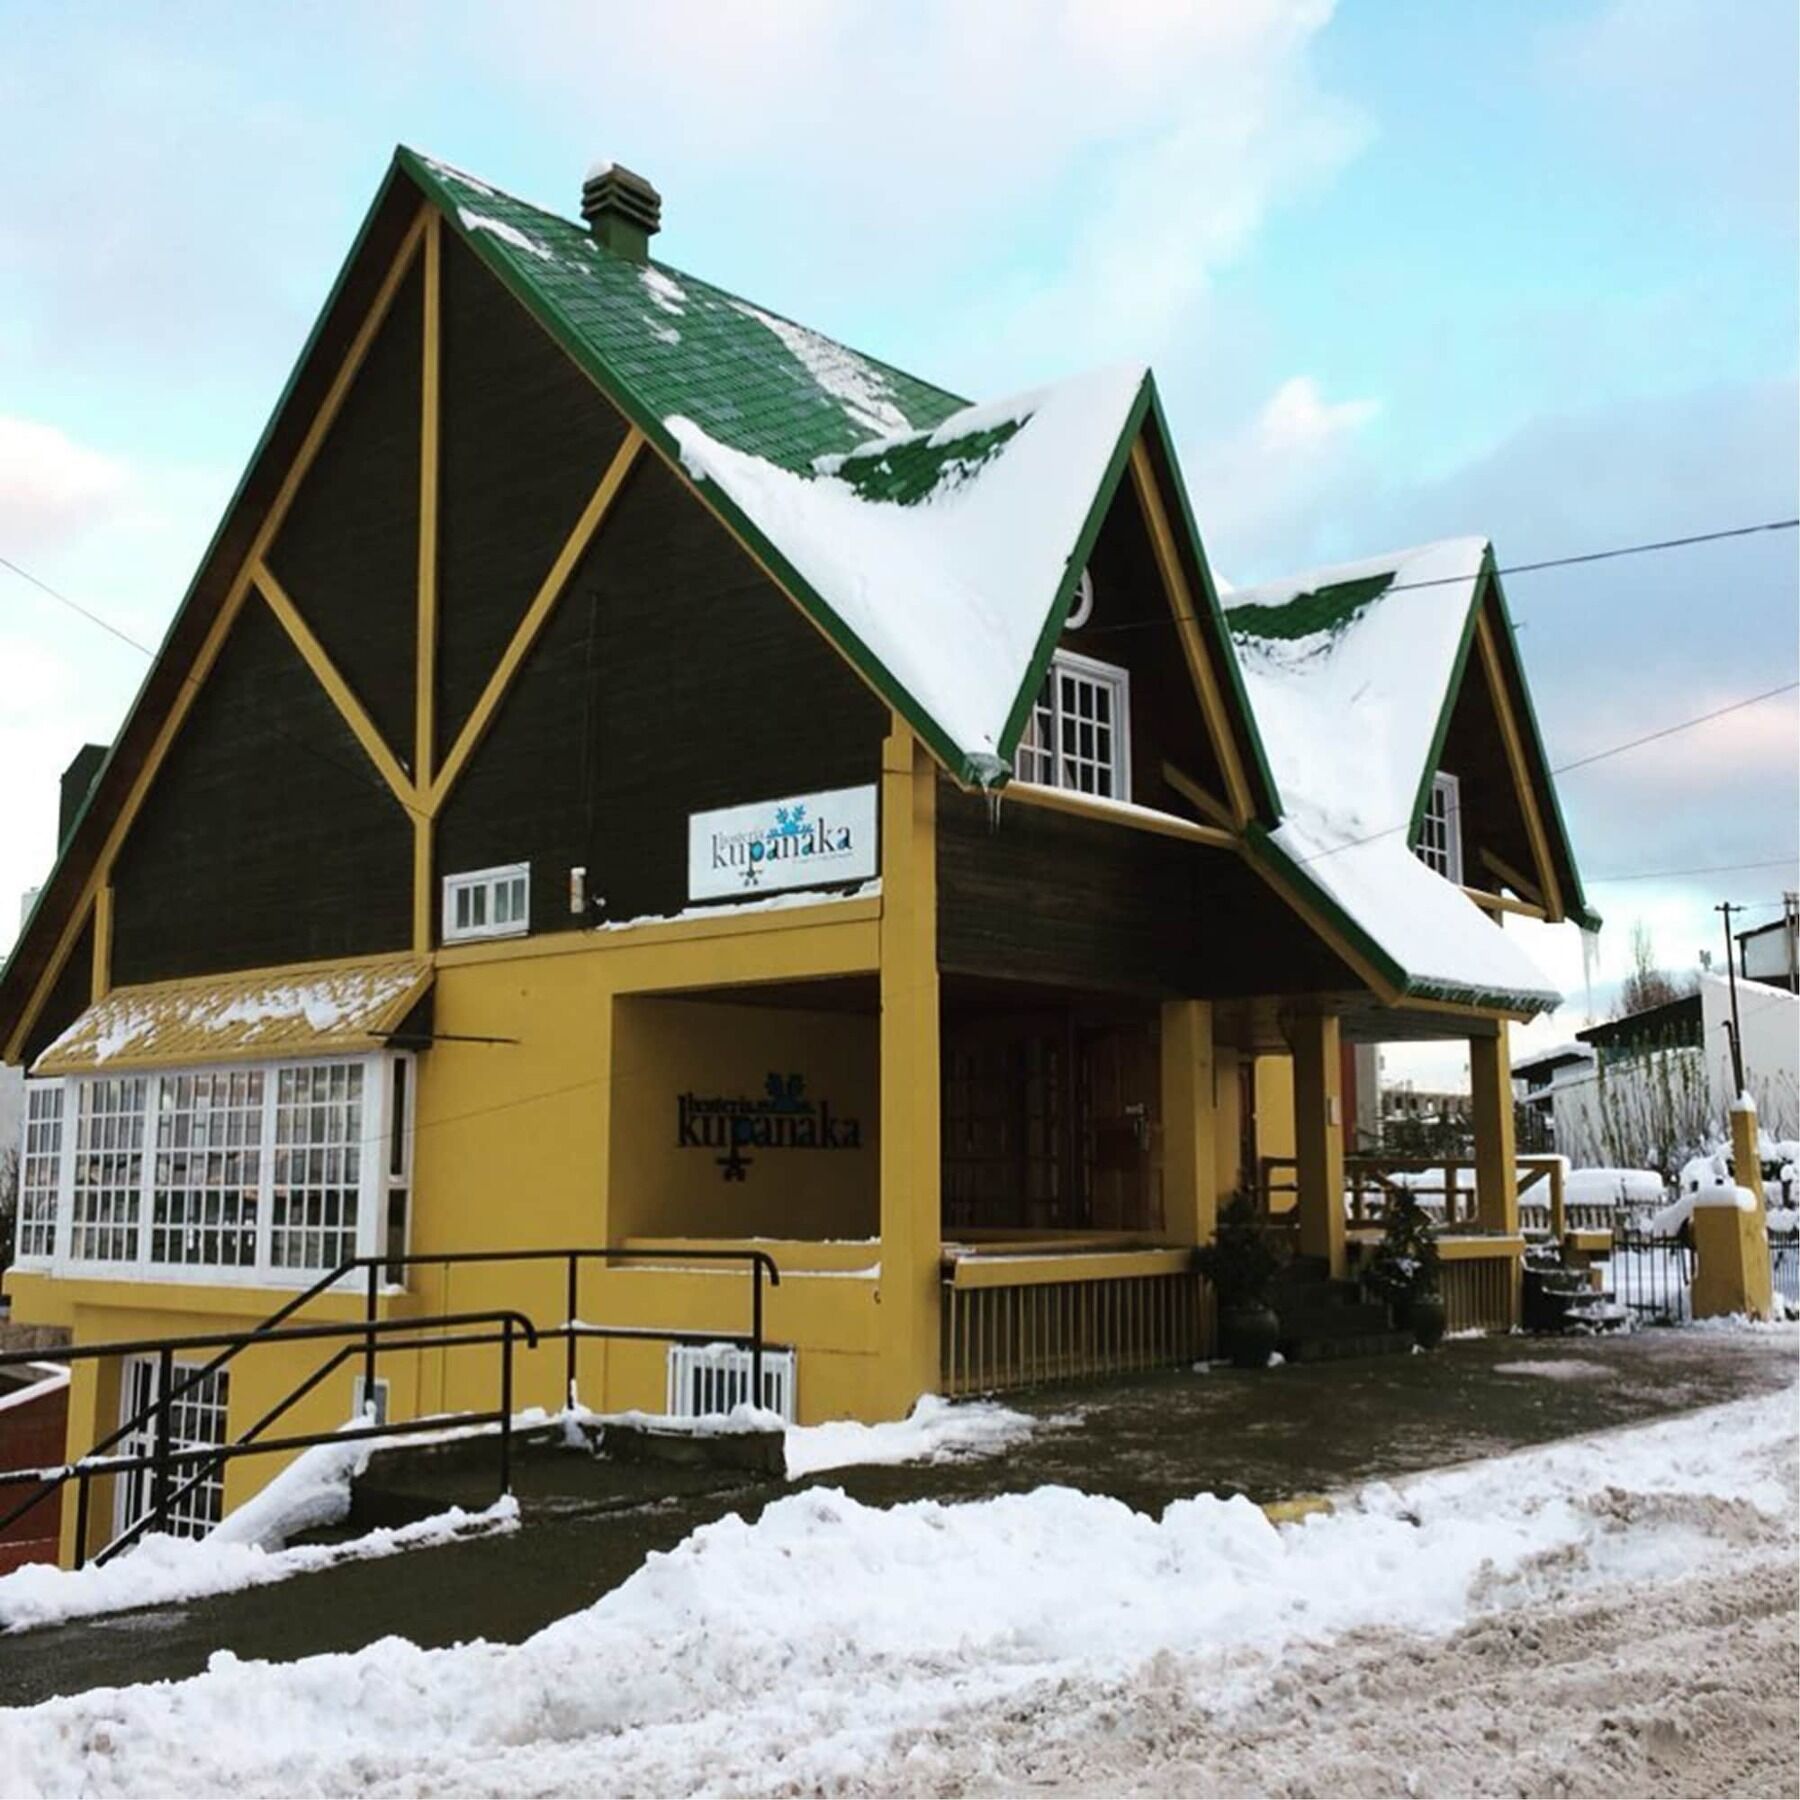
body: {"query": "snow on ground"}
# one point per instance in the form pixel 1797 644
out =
pixel 833 1647
pixel 1567 1368
pixel 935 1431
pixel 246 1551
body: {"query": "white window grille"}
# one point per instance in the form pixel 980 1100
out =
pixel 1079 735
pixel 706 1380
pixel 197 1421
pixel 109 1169
pixel 318 1165
pixel 254 1173
pixel 40 1170
pixel 207 1175
pixel 487 903
pixel 1440 832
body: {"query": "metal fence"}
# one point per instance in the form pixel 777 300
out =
pixel 1784 1265
pixel 1653 1276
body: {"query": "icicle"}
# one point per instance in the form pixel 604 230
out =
pixel 994 797
pixel 1590 961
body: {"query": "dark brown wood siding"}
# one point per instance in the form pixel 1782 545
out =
pixel 672 677
pixel 1134 628
pixel 525 438
pixel 1475 753
pixel 68 997
pixel 348 552
pixel 1086 904
pixel 267 837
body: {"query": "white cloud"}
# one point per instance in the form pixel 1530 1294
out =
pixel 52 488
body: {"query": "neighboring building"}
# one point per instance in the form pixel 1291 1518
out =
pixel 1771 953
pixel 630 771
pixel 1538 1078
pixel 1647 1090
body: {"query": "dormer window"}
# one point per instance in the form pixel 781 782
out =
pixel 1079 736
pixel 1440 834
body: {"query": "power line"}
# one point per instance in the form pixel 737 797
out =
pixel 1650 737
pixel 1779 862
pixel 1525 568
pixel 93 618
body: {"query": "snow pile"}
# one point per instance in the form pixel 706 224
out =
pixel 936 1431
pixel 797 1653
pixel 865 393
pixel 1613 1187
pixel 1347 715
pixel 950 591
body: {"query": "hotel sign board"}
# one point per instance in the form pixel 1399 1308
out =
pixel 804 841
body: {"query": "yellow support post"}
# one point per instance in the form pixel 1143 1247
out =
pixel 1496 1156
pixel 1319 1137
pixel 1228 1124
pixel 911 1164
pixel 1189 1157
pixel 1731 1243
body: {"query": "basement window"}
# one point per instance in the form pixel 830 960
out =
pixel 1440 833
pixel 1079 734
pixel 488 903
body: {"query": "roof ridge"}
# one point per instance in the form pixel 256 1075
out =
pixel 481 185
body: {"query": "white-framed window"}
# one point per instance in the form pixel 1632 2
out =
pixel 1079 735
pixel 263 1173
pixel 40 1170
pixel 487 903
pixel 1440 834
pixel 197 1421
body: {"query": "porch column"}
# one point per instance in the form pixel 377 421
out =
pixel 1189 1158
pixel 1319 1137
pixel 911 1161
pixel 1496 1155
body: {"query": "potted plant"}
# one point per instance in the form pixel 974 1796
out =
pixel 1241 1262
pixel 1404 1270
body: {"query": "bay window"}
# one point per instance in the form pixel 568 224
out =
pixel 258 1172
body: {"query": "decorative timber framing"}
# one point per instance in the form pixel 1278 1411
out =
pixel 1519 764
pixel 1200 664
pixel 425 682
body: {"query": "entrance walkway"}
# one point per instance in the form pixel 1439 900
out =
pixel 1149 1440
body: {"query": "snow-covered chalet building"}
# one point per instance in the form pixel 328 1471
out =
pixel 632 773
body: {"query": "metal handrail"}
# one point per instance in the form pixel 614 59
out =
pixel 271 1330
pixel 760 1262
pixel 164 1457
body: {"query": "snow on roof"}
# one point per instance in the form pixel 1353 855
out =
pixel 1347 669
pixel 317 1011
pixel 942 550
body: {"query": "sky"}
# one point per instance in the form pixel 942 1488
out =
pixel 1403 270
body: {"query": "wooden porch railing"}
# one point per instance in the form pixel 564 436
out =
pixel 1370 1179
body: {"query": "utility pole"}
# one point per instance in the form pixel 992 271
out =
pixel 1737 1035
pixel 1790 917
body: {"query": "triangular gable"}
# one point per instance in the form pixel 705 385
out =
pixel 876 501
pixel 1353 674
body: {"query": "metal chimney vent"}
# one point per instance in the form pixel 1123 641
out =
pixel 622 210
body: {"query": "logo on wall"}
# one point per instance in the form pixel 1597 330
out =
pixel 783 1118
pixel 807 840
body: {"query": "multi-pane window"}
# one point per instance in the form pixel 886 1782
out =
pixel 488 902
pixel 1440 832
pixel 109 1168
pixel 197 1419
pixel 317 1165
pixel 207 1171
pixel 271 1171
pixel 1079 733
pixel 40 1168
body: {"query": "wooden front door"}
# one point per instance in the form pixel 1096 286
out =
pixel 1119 1107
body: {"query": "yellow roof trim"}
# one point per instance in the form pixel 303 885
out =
pixel 316 1009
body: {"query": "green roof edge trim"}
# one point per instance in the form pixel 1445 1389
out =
pixel 205 560
pixel 1227 651
pixel 487 248
pixel 1085 540
pixel 1452 691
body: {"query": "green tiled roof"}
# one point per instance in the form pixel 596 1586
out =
pixel 679 345
pixel 1330 608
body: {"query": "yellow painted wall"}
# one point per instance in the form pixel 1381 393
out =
pixel 1274 1105
pixel 664 1049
